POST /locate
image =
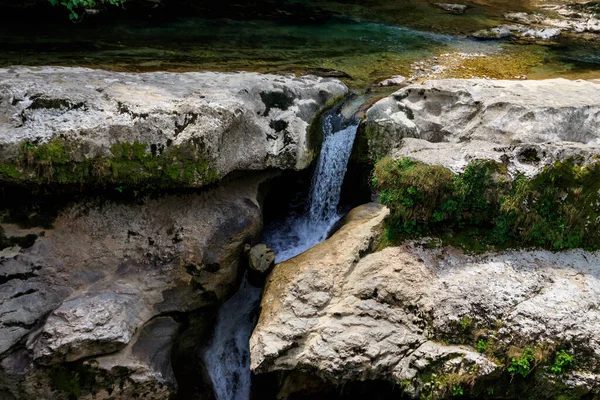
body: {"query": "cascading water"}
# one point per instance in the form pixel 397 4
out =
pixel 227 359
pixel 299 233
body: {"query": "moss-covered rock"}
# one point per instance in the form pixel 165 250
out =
pixel 128 166
pixel 557 209
pixel 73 126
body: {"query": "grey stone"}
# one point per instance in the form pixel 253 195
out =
pixel 106 269
pixel 452 8
pixel 452 122
pixel 236 121
pixel 88 325
pixel 517 31
pixel 392 81
pixel 346 314
pixel 261 262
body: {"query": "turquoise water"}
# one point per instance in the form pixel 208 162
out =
pixel 346 41
pixel 363 50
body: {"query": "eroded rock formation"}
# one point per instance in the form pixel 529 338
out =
pixel 75 125
pixel 134 260
pixel 524 124
pixel 432 320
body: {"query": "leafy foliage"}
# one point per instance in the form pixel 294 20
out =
pixel 482 345
pixel 524 364
pixel 76 6
pixel 562 362
pixel 457 390
pixel 557 209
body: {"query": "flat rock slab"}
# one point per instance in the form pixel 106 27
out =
pixel 229 121
pixel 450 122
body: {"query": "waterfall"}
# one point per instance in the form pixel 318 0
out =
pixel 299 233
pixel 227 358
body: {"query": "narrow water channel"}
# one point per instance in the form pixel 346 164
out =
pixel 227 359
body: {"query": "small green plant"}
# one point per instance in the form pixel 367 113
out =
pixel 120 189
pixel 457 390
pixel 562 361
pixel 482 345
pixel 523 364
pixel 76 6
pixel 465 322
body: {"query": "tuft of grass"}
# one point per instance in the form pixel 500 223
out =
pixel 465 322
pixel 482 345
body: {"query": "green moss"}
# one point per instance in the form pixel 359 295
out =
pixel 557 209
pixel 9 172
pixel 131 166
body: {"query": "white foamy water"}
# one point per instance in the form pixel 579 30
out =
pixel 299 233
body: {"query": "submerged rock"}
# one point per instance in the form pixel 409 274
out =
pixel 432 320
pixel 452 8
pixel 524 125
pixel 76 125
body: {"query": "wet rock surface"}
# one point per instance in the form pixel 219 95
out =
pixel 419 316
pixel 261 263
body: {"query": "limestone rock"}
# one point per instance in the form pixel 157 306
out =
pixel 573 18
pixel 392 81
pixel 92 283
pixel 412 315
pixel 526 125
pixel 495 33
pixel 216 122
pixel 452 8
pixel 261 262
pixel 314 276
pixel 516 31
pixel 88 325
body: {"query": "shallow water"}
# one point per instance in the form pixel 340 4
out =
pixel 361 39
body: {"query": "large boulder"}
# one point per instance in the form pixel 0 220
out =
pixel 94 304
pixel 76 125
pixel 524 124
pixel 432 321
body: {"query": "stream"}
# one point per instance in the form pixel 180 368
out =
pixel 227 358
